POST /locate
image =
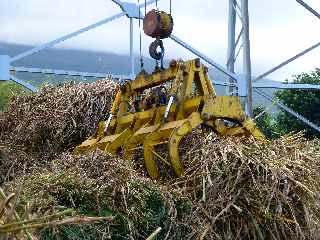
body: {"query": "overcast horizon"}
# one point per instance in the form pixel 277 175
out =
pixel 279 30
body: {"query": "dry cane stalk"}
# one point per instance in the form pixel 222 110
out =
pixel 154 234
pixel 17 217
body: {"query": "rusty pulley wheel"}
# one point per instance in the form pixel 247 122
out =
pixel 153 49
pixel 158 24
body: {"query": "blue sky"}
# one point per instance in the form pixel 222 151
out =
pixel 279 29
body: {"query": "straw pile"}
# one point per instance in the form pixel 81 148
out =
pixel 12 226
pixel 37 127
pixel 56 118
pixel 241 188
pixel 233 188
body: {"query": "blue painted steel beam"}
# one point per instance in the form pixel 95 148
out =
pixel 223 83
pixel 66 73
pixel 309 8
pixel 286 62
pixel 58 72
pixel 4 67
pixel 66 37
pixel 279 85
pixel 24 83
pixel 131 9
pixel 205 58
pixel 233 56
pixel 85 74
pixel 104 75
pixel 71 35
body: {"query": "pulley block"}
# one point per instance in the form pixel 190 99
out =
pixel 158 24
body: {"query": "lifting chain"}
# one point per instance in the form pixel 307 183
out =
pixel 140 37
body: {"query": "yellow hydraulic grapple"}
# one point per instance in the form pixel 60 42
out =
pixel 180 99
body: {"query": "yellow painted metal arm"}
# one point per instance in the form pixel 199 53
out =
pixel 116 102
pixel 148 81
pixel 176 83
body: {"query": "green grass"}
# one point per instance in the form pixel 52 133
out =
pixel 8 90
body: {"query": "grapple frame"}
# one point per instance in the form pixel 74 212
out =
pixel 192 102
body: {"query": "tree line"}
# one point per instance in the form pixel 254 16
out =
pixel 306 103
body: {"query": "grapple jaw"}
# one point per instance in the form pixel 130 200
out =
pixel 91 143
pixel 218 109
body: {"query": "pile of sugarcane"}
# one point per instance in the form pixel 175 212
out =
pixel 13 226
pixel 56 118
pixel 39 126
pixel 233 188
pixel 241 188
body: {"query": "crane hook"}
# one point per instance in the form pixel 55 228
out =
pixel 154 52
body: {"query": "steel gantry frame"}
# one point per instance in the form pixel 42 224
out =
pixel 245 86
pixel 240 84
pixel 128 9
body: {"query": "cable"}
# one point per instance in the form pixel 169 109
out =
pixel 170 7
pixel 157 4
pixel 145 7
pixel 140 39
